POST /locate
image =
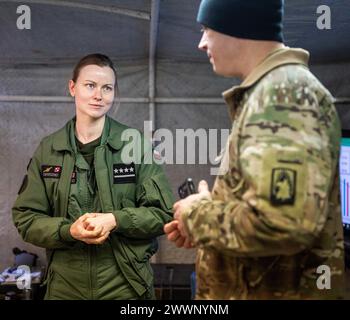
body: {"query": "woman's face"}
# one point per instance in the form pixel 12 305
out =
pixel 93 91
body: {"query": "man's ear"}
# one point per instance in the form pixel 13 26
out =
pixel 71 86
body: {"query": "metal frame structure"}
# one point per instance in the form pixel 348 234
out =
pixel 152 99
pixel 80 5
pixel 55 99
pixel 152 62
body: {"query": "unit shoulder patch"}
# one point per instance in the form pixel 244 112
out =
pixel 283 186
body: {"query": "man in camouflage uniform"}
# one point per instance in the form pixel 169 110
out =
pixel 271 227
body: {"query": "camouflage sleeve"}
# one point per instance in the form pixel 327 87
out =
pixel 288 148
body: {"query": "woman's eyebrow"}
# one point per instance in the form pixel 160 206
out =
pixel 107 84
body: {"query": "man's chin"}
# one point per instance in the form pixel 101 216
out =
pixel 214 67
pixel 225 73
pixel 218 71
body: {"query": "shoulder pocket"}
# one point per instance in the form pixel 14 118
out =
pixel 23 185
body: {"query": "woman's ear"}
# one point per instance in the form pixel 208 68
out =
pixel 71 86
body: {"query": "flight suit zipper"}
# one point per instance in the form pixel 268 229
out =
pixel 91 271
pixel 86 208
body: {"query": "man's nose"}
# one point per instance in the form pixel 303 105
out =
pixel 203 43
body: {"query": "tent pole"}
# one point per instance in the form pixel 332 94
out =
pixel 344 100
pixel 152 80
pixel 152 63
pixel 161 100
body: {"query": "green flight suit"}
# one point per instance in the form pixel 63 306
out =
pixel 61 186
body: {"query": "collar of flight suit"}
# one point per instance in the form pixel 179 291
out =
pixel 276 58
pixel 111 135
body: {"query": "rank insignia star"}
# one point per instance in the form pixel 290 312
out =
pixel 124 173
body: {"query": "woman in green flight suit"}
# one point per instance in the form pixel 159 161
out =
pixel 95 210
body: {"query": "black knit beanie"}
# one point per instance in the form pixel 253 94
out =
pixel 248 19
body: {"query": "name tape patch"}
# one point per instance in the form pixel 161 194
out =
pixel 51 171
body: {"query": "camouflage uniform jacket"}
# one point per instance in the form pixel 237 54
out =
pixel 274 216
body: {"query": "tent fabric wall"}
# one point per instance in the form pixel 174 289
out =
pixel 39 62
pixel 23 124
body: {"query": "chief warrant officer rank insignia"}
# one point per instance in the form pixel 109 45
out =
pixel 124 173
pixel 283 183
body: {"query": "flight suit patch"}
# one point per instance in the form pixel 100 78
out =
pixel 124 173
pixel 73 179
pixel 283 186
pixel 51 171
